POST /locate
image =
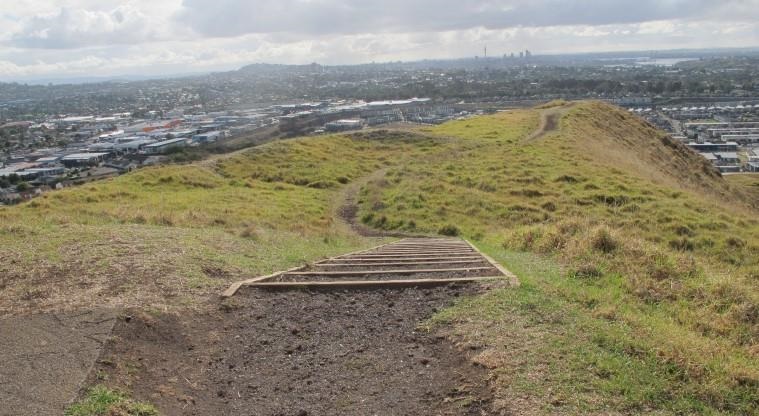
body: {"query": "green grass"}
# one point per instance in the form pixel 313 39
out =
pixel 101 401
pixel 172 235
pixel 659 255
pixel 749 182
pixel 566 357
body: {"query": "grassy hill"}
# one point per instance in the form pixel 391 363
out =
pixel 638 261
pixel 645 287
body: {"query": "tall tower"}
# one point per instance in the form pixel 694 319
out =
pixel 486 51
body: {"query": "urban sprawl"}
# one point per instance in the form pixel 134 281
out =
pixel 54 136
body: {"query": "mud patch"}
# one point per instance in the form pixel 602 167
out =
pixel 300 353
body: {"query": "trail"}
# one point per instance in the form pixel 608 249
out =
pixel 346 208
pixel 318 350
pixel 550 121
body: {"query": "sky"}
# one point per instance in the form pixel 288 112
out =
pixel 104 38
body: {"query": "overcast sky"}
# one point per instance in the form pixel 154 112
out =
pixel 61 38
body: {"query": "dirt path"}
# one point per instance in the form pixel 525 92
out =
pixel 316 351
pixel 299 352
pixel 346 208
pixel 46 358
pixel 550 120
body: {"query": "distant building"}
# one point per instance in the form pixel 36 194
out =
pixel 729 168
pixel 210 127
pixel 344 125
pixel 83 159
pixel 714 147
pixel 166 145
pixel 46 172
pixel 711 157
pixel 48 160
pixel 208 137
pixel 727 158
pixel 133 145
pixel 146 127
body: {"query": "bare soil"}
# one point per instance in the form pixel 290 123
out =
pixel 268 352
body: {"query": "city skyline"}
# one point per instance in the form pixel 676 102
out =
pixel 47 39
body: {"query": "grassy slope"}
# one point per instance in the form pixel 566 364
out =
pixel 651 300
pixel 170 235
pixel 749 182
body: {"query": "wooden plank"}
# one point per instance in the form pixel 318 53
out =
pixel 371 272
pixel 413 254
pixel 421 250
pixel 428 245
pixel 478 260
pixel 459 253
pixel 400 258
pixel 428 239
pixel 405 253
pixel 353 253
pixel 234 287
pixel 513 279
pixel 375 283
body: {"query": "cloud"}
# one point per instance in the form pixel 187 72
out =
pixel 107 37
pixel 76 28
pixel 320 17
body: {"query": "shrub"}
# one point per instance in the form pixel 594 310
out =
pixel 735 242
pixel 367 219
pixel 603 241
pixel 449 230
pixel 322 184
pixel 528 193
pixel 567 179
pixel 612 200
pixel 249 232
pixel 684 231
pixel 682 244
pixel 585 270
pixel 549 206
pixel 487 187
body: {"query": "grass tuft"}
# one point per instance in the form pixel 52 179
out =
pixel 102 401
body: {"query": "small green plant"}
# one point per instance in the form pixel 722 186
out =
pixel 102 401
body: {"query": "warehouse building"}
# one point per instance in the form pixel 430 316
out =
pixel 166 145
pixel 83 159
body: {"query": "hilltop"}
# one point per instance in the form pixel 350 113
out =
pixel 638 261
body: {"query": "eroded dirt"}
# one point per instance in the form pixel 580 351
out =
pixel 268 352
